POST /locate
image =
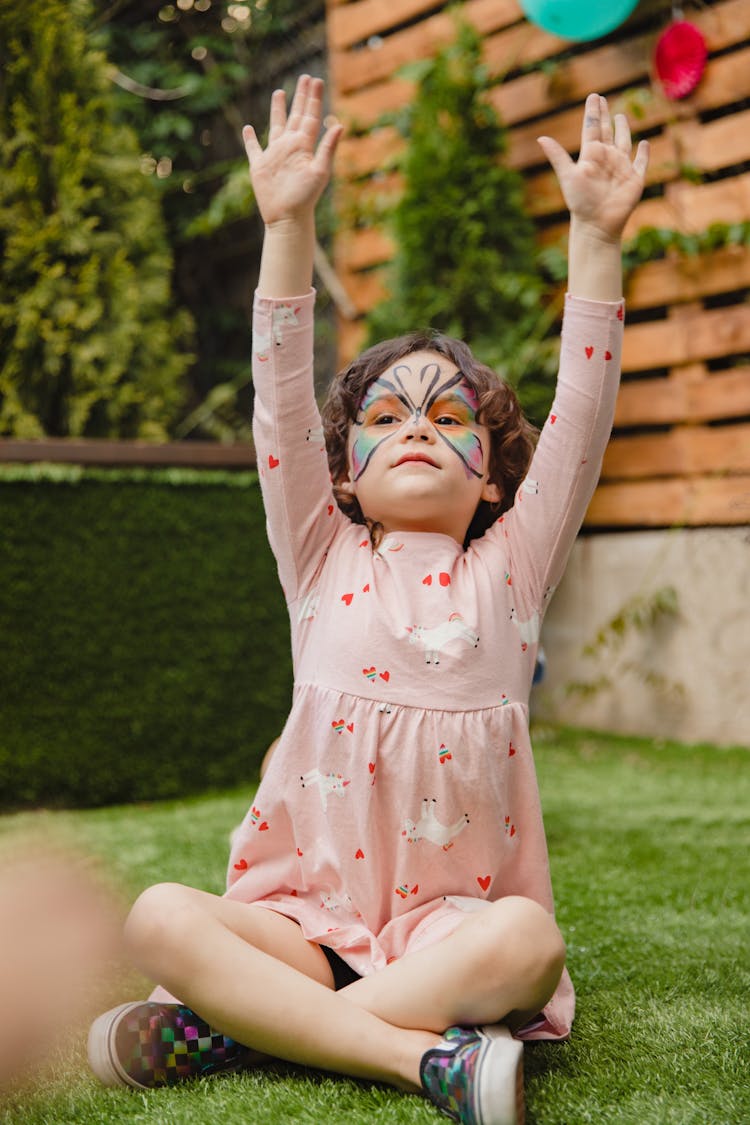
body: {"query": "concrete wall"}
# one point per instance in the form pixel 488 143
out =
pixel 702 651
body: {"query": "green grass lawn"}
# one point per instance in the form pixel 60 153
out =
pixel 649 846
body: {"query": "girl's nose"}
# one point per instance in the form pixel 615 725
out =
pixel 419 428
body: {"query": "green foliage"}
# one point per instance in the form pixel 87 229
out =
pixel 466 261
pixel 640 614
pixel 88 342
pixel 145 638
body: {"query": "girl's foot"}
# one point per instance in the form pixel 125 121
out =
pixel 147 1044
pixel 475 1076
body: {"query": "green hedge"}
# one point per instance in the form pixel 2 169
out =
pixel 144 642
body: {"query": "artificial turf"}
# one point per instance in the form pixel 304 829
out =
pixel 649 847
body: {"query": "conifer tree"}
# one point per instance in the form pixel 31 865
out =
pixel 466 260
pixel 88 342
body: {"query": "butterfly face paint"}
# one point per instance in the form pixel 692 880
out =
pixel 448 402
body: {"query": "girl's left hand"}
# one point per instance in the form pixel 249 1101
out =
pixel 603 186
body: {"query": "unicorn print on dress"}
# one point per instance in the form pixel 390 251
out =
pixel 280 316
pixel 434 638
pixel 333 901
pixel 530 486
pixel 428 827
pixel 327 783
pixel 528 630
pixel 308 607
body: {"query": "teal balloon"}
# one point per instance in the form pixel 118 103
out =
pixel 578 19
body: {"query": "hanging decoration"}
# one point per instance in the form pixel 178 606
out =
pixel 578 19
pixel 680 59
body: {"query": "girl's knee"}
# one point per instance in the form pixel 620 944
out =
pixel 155 918
pixel 526 932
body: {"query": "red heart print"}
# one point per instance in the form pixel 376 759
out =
pixel 330 509
pixel 371 767
pixel 293 894
pixel 415 889
pixel 347 598
pixel 620 313
pixel 350 728
pixel 263 827
pixel 364 543
pixel 484 881
pixel 299 852
pixel 511 750
pixel 589 352
pixel 524 646
pixel 445 579
pixel 366 589
pixel 385 676
pixel 608 355
pixel 427 581
pixel 272 461
pixel 241 865
pixel 552 419
pixel 359 854
pixel 512 829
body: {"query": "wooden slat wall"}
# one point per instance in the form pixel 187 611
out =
pixel 680 453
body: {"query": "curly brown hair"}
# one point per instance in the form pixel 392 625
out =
pixel 512 437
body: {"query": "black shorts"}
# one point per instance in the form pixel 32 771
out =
pixel 343 974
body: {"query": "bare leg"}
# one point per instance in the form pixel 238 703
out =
pixel 500 964
pixel 251 973
pixel 215 954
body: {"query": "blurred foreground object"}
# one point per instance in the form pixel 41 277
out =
pixel 59 931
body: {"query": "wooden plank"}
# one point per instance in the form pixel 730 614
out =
pixel 90 451
pixel 351 340
pixel 709 335
pixel 694 502
pixel 685 451
pixel 658 402
pixel 358 21
pixel 682 278
pixel 352 70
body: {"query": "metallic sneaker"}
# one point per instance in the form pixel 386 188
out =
pixel 475 1076
pixel 146 1044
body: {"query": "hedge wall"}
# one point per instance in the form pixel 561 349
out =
pixel 144 646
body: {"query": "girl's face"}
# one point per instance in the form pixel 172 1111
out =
pixel 418 458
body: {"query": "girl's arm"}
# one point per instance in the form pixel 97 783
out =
pixel 601 190
pixel 288 178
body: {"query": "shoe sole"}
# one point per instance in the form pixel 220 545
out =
pixel 103 1058
pixel 500 1092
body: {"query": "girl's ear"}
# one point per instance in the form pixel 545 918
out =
pixel 492 492
pixel 347 486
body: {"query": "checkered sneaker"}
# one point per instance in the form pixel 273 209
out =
pixel 475 1076
pixel 147 1044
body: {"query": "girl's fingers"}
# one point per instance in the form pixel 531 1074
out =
pixel 277 122
pixel 327 147
pixel 556 154
pixel 606 122
pixel 622 133
pixel 250 140
pixel 313 110
pixel 299 101
pixel 640 164
pixel 591 127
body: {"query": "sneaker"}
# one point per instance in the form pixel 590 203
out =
pixel 475 1076
pixel 147 1044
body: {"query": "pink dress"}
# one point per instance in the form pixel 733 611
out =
pixel 403 792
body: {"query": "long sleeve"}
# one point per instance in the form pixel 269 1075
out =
pixel 301 513
pixel 551 503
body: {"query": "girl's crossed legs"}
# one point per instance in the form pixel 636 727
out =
pixel 251 973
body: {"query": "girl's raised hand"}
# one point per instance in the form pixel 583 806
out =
pixel 604 185
pixel 289 175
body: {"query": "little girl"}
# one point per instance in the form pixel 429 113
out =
pixel 389 911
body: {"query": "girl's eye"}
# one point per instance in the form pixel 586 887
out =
pixel 447 420
pixel 384 420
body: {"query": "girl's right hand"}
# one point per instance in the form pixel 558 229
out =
pixel 289 175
